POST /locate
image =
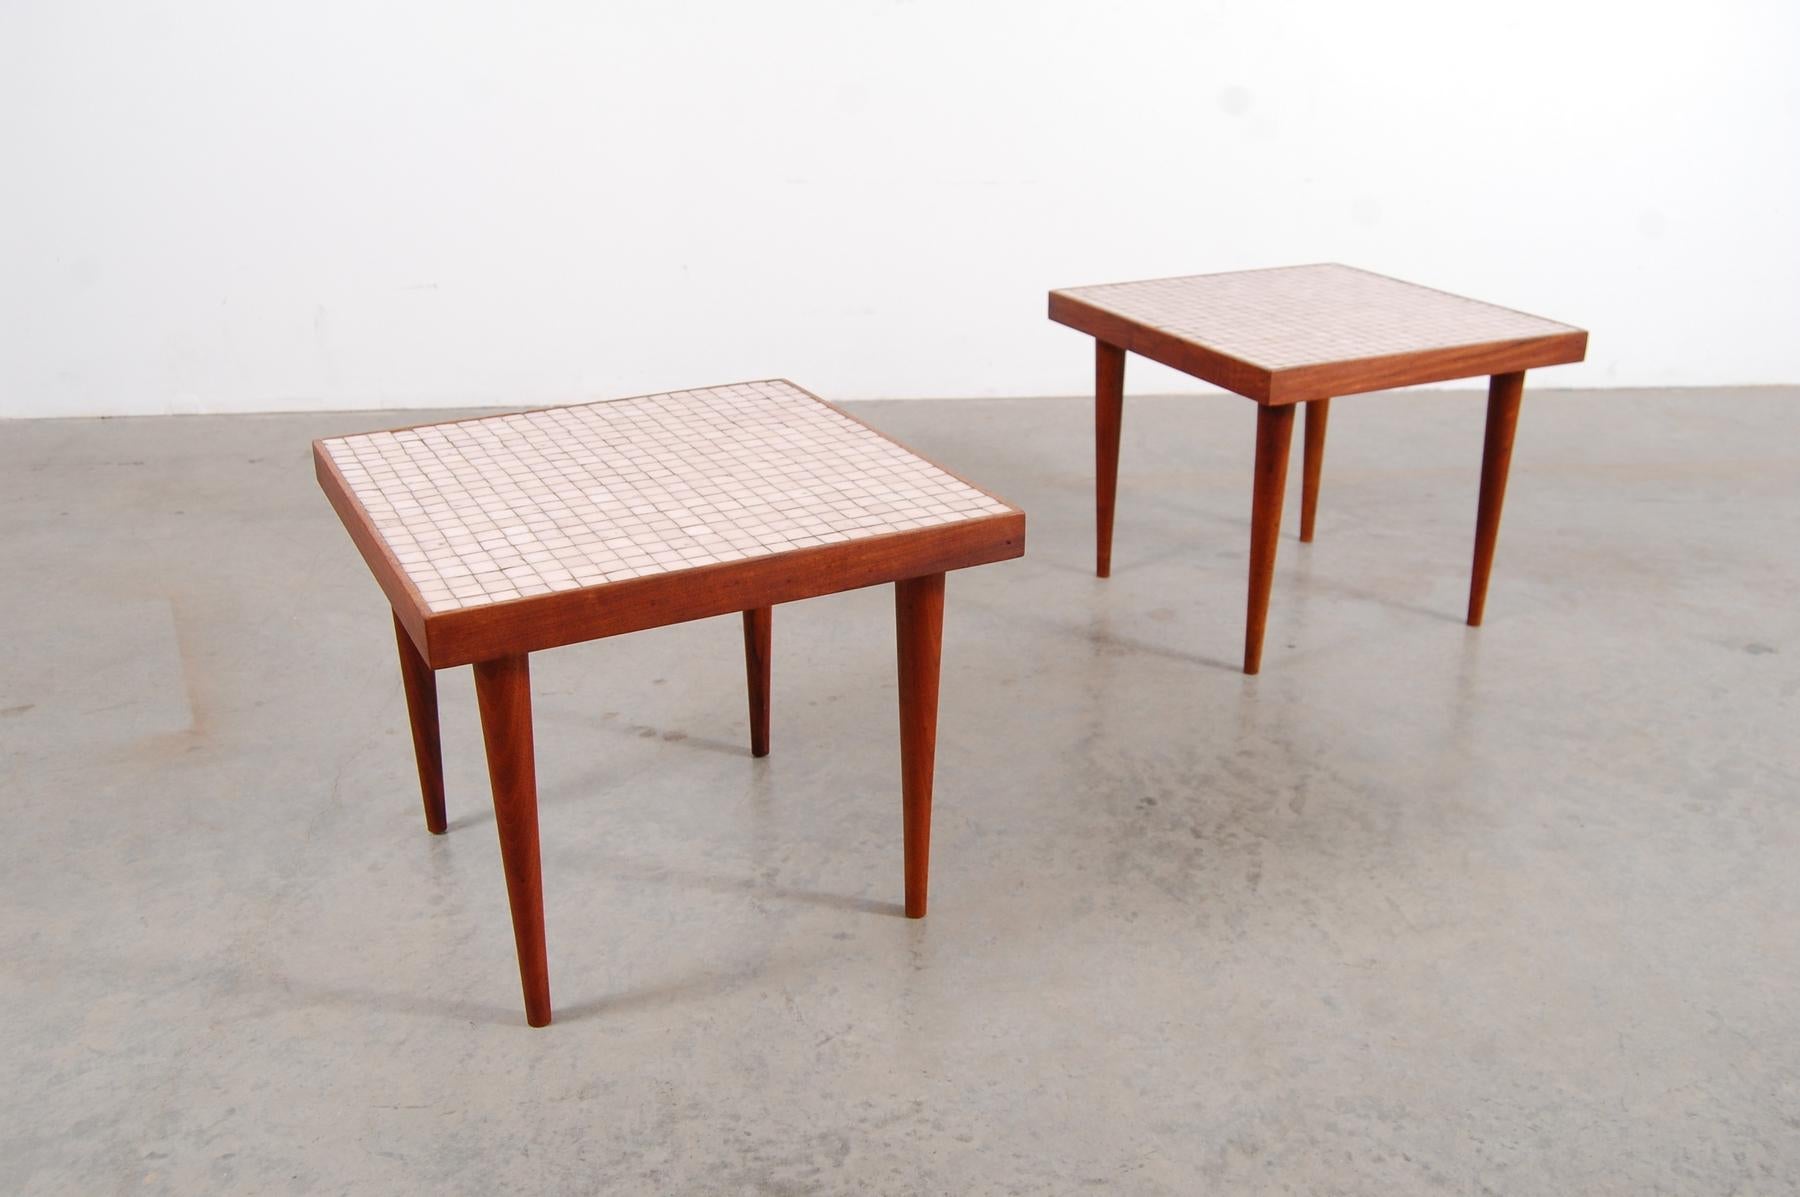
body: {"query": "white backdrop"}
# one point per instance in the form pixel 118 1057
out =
pixel 244 205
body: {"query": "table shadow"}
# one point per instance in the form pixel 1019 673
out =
pixel 617 868
pixel 693 984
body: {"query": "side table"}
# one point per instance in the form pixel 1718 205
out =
pixel 1303 334
pixel 497 537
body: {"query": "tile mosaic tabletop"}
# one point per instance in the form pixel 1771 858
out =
pixel 486 510
pixel 1309 315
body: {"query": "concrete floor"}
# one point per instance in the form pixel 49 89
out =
pixel 1420 909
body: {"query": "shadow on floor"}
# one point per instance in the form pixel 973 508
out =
pixel 692 985
pixel 618 868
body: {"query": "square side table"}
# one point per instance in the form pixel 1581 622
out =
pixel 1302 335
pixel 500 536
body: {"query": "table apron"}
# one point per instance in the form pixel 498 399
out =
pixel 592 613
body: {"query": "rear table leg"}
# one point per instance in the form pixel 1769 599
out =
pixel 1504 393
pixel 1317 412
pixel 1109 405
pixel 422 709
pixel 758 624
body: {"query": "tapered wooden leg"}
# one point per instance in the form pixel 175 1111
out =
pixel 1317 412
pixel 758 624
pixel 1504 393
pixel 1274 432
pixel 1109 405
pixel 503 692
pixel 422 709
pixel 919 610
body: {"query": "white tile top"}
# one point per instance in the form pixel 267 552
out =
pixel 486 510
pixel 1308 315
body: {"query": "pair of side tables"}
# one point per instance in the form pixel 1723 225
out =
pixel 500 536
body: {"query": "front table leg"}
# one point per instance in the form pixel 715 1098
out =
pixel 503 692
pixel 1504 393
pixel 1274 432
pixel 919 611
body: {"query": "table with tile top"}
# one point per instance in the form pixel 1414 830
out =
pixel 496 537
pixel 1302 335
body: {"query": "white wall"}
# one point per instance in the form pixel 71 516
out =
pixel 226 205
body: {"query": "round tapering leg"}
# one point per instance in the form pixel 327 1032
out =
pixel 1504 394
pixel 503 692
pixel 420 683
pixel 1317 412
pixel 1109 409
pixel 919 611
pixel 1274 433
pixel 758 627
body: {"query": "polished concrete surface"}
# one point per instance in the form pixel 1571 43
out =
pixel 1420 909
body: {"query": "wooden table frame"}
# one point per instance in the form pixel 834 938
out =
pixel 497 639
pixel 1277 392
